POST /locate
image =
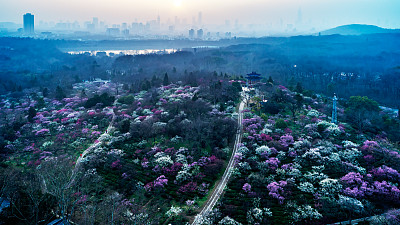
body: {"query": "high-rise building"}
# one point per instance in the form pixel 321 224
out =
pixel 95 22
pixel 29 23
pixel 177 21
pixel 125 32
pixel 90 26
pixel 191 33
pixel 113 31
pixel 200 19
pixel 200 33
pixel 124 26
pixel 299 18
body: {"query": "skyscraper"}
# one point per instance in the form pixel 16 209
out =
pixel 200 33
pixel 191 33
pixel 200 19
pixel 95 22
pixel 299 18
pixel 29 23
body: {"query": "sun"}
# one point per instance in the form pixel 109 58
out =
pixel 177 3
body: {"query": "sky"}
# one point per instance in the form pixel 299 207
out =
pixel 314 13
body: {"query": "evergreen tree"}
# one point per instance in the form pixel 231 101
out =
pixel 45 92
pixel 40 103
pixel 154 81
pixel 31 114
pixel 60 93
pixel 125 126
pixel 270 80
pixel 145 86
pixel 166 79
pixel 299 88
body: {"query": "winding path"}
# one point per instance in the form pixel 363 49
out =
pixel 94 145
pixel 213 199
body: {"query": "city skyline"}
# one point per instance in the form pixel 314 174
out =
pixel 305 14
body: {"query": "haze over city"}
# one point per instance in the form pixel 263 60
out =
pixel 252 15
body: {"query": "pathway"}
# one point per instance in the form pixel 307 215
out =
pixel 213 199
pixel 96 144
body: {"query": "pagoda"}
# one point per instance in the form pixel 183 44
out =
pixel 253 78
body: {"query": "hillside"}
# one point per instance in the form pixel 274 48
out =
pixel 358 29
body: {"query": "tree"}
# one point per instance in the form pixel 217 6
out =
pixel 195 97
pixel 270 80
pixel 45 92
pixel 104 98
pixel 295 104
pixel 166 79
pixel 93 67
pixel 60 93
pixel 40 103
pixel 237 86
pixel 361 111
pixel 60 181
pixel 154 81
pixel 83 94
pixel 146 85
pixel 31 114
pixel 32 188
pixel 280 124
pixel 350 205
pixel 299 88
pixel 125 126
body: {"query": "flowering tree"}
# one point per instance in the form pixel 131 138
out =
pixel 246 187
pixel 276 190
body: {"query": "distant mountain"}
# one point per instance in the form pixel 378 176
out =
pixel 358 29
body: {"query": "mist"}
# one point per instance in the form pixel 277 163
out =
pixel 305 15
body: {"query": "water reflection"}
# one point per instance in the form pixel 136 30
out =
pixel 123 52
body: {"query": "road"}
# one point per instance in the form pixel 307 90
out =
pixel 213 199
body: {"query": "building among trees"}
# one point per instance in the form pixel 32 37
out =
pixel 253 78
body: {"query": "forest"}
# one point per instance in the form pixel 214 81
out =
pixel 144 139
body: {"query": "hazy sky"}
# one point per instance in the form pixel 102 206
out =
pixel 315 13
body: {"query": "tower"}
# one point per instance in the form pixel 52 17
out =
pixel 29 26
pixel 334 110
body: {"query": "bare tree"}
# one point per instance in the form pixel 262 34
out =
pixel 59 180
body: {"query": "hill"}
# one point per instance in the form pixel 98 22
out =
pixel 358 29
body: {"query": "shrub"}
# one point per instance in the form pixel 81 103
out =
pixel 126 99
pixel 104 98
pixel 281 124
